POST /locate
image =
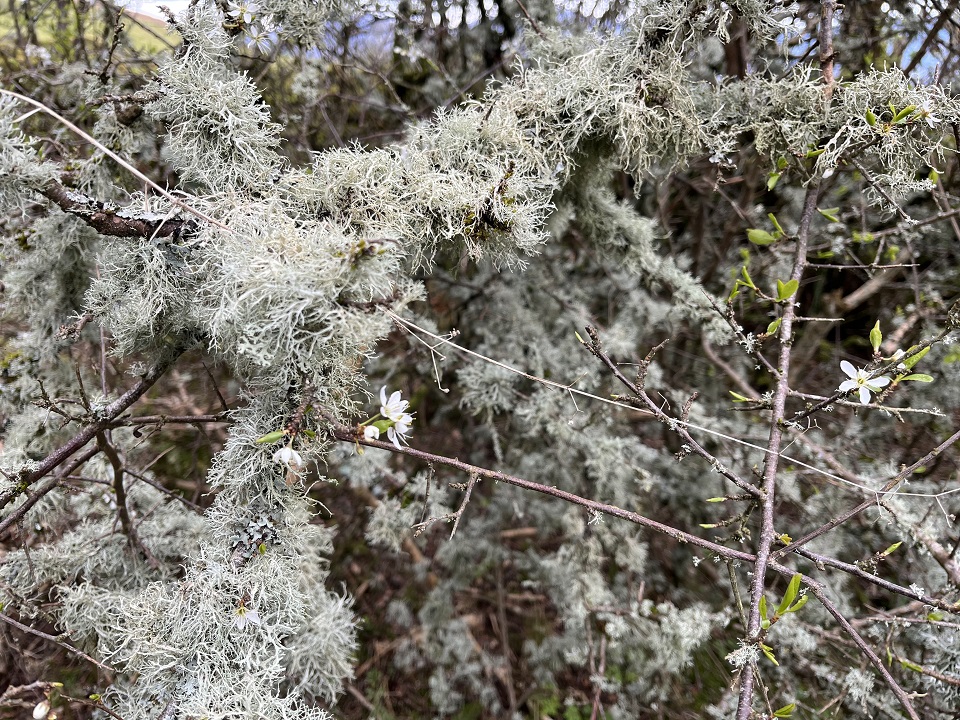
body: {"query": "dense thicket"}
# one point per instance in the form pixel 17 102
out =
pixel 663 299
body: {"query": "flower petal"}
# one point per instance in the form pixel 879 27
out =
pixel 880 382
pixel 848 385
pixel 864 396
pixel 394 438
pixel 848 369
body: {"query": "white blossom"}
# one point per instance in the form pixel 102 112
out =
pixel 393 408
pixel 42 710
pixel 399 430
pixel 861 379
pixel 290 458
pixel 245 616
pixel 244 12
pixel 926 112
pixel 260 39
pixel 371 432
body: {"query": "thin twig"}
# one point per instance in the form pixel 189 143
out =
pixel 108 414
pixel 350 435
pixel 463 504
pixel 767 531
pixel 888 487
pixel 817 590
pixel 33 631
pixel 116 158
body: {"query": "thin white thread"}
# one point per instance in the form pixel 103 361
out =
pixel 109 153
pixel 543 381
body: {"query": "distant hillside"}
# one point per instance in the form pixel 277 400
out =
pixel 147 35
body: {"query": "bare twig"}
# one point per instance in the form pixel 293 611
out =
pixel 888 487
pixel 679 427
pixel 767 532
pixel 123 512
pixel 108 414
pixel 33 631
pixel 817 590
pixel 352 436
pixel 463 504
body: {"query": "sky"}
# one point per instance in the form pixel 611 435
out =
pixel 152 7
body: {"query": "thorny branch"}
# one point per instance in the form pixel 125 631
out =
pixel 767 531
pixel 640 396
pixel 88 433
pixel 355 436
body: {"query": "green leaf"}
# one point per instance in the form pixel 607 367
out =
pixel 860 237
pixel 768 652
pixel 582 342
pixel 271 437
pixel 760 237
pixel 905 113
pixel 774 326
pixel 790 595
pixel 871 118
pixel 737 397
pixel 934 176
pixel 708 526
pixel 776 223
pixel 798 604
pixel 935 616
pixel 876 337
pixel 913 360
pixel 911 665
pixel 830 213
pixel 918 377
pixel 772 180
pixel 763 606
pixel 717 499
pixel 782 163
pixel 815 153
pixel 891 549
pixel 748 281
pixel 786 711
pixel 785 290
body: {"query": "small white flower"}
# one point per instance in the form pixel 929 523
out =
pixel 828 172
pixel 399 430
pixel 245 616
pixel 259 39
pixel 42 710
pixel 290 458
pixel 861 379
pixel 244 12
pixel 394 408
pixel 926 112
pixel 371 432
